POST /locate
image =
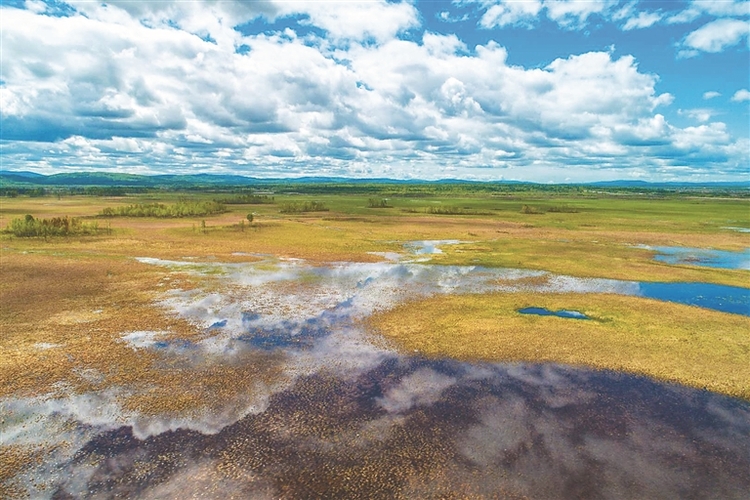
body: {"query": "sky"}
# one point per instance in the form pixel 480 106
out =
pixel 531 90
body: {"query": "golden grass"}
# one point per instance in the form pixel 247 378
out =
pixel 13 461
pixel 81 307
pixel 80 294
pixel 596 242
pixel 672 342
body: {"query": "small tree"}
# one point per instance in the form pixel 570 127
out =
pixel 203 226
pixel 250 218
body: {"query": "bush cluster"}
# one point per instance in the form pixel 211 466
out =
pixel 298 208
pixel 378 203
pixel 56 226
pixel 179 209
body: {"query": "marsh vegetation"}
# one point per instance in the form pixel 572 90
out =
pixel 249 335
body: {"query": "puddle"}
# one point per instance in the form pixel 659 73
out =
pixel 142 339
pixel 428 247
pixel 738 229
pixel 350 418
pixel 702 257
pixel 541 311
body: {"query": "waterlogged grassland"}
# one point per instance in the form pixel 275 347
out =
pixel 52 287
pixel 672 342
pixel 63 319
pixel 66 302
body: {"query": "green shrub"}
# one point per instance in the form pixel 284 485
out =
pixel 298 208
pixel 56 226
pixel 179 209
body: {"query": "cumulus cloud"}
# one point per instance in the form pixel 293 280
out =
pixel 359 21
pixel 356 20
pixel 568 14
pixel 715 36
pixel 741 95
pixel 122 87
pixel 711 94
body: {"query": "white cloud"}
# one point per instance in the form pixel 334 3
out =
pixel 716 36
pixel 723 7
pixel 575 13
pixel 698 138
pixel 568 14
pixel 36 6
pixel 711 94
pixel 376 19
pixel 642 20
pixel 511 13
pixel 358 21
pixel 741 95
pixel 446 17
pixel 716 8
pixel 701 115
pixel 111 90
pixel 685 16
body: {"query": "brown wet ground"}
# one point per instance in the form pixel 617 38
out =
pixel 415 428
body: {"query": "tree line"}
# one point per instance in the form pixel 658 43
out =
pixel 179 209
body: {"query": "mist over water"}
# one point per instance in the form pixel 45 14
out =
pixel 346 416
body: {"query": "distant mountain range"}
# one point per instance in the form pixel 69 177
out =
pixel 9 179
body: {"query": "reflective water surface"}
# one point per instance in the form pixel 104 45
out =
pixel 542 311
pixel 411 428
pixel 347 417
pixel 703 257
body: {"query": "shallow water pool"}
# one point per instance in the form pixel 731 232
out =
pixel 348 417
pixel 721 259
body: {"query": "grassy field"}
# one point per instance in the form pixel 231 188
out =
pixel 82 292
pixel 688 345
pixel 65 301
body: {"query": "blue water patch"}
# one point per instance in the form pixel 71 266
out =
pixel 724 298
pixel 288 335
pixel 248 316
pixel 721 259
pixel 218 324
pixel 541 311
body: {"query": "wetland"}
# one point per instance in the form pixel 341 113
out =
pixel 404 351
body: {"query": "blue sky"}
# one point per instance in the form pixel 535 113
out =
pixel 537 90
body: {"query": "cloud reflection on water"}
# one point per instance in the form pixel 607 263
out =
pixel 413 428
pixel 400 426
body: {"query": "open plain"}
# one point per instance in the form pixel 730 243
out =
pixel 167 326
